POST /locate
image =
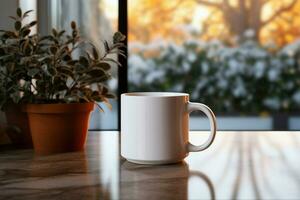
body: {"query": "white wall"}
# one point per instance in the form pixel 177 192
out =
pixel 7 8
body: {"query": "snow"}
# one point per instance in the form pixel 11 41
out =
pixel 273 75
pixel 221 69
pixel 204 67
pixel 259 69
pixel 273 103
pixel 296 97
pixel 291 49
pixel 154 76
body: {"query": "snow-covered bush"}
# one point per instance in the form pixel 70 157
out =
pixel 248 78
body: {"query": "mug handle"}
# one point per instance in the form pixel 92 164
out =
pixel 213 125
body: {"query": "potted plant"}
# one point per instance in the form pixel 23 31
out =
pixel 66 76
pixel 17 50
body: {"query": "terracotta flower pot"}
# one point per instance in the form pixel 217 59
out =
pixel 17 127
pixel 58 128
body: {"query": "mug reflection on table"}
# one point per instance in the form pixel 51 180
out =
pixel 153 181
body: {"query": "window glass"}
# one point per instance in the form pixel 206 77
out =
pixel 241 58
pixel 97 21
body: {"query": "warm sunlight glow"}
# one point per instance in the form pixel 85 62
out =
pixel 273 20
pixel 111 11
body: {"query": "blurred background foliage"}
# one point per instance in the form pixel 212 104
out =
pixel 237 56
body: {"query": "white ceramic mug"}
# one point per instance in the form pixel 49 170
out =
pixel 155 127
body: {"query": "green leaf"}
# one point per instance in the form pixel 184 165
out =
pixel 112 60
pixel 2 51
pixel 84 61
pixel 95 53
pixel 81 95
pixel 52 71
pixel 10 67
pixel 18 25
pixel 53 49
pixel 15 97
pixel 91 80
pixel 96 72
pixel 14 18
pixel 106 46
pixel 65 70
pixel 61 33
pixel 72 62
pixel 28 50
pixel 32 72
pixel 46 37
pixel 110 96
pixel 33 23
pixel 67 58
pixel 6 57
pixel 118 45
pixel 104 90
pixel 73 25
pixel 103 65
pixel 9 34
pixel 19 12
pixel 54 32
pixel 26 13
pixel 74 33
pixel 63 50
pixel 46 59
pixel 26 32
pixel 118 37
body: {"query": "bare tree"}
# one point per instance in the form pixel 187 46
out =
pixel 246 14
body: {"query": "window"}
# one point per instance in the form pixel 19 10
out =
pixel 97 20
pixel 239 57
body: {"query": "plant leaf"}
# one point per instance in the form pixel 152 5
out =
pixel 26 13
pixel 118 37
pixel 84 61
pixel 112 60
pixel 18 25
pixel 32 72
pixel 106 46
pixel 53 49
pixel 103 65
pixel 54 32
pixel 12 17
pixel 61 33
pixel 19 12
pixel 95 53
pixel 73 25
pixel 26 32
pixel 52 71
pixel 15 97
pixel 110 96
pixel 33 23
pixel 96 72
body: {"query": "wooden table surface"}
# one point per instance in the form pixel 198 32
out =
pixel 239 165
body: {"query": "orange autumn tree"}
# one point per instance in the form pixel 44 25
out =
pixel 285 28
pixel 151 18
pixel 274 20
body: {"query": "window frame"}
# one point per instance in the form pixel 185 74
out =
pixel 122 71
pixel 45 9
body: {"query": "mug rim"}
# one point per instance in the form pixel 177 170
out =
pixel 154 94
